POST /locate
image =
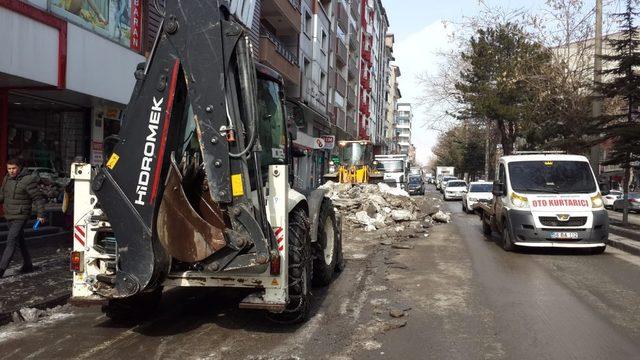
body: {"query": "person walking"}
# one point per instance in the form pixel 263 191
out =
pixel 19 193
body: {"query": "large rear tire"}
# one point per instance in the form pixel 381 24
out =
pixel 327 246
pixel 134 308
pixel 300 270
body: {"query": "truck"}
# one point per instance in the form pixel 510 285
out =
pixel 196 191
pixel 394 169
pixel 546 200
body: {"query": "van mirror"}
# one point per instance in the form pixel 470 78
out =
pixel 498 189
pixel 604 189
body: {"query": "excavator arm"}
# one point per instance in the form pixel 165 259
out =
pixel 177 185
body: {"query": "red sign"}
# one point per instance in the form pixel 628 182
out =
pixel 136 25
pixel 560 203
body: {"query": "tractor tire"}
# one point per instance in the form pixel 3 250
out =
pixel 135 308
pixel 327 246
pixel 300 270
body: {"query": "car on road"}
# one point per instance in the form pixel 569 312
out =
pixel 478 191
pixel 634 203
pixel 415 185
pixel 454 189
pixel 443 182
pixel 612 196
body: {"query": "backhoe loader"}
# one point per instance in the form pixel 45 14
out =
pixel 196 191
pixel 357 165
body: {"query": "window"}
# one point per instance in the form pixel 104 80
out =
pixel 323 81
pixel 324 40
pixel 535 177
pixel 308 24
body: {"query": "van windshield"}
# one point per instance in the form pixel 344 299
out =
pixel 554 177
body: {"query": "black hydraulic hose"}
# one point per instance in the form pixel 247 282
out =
pixel 247 74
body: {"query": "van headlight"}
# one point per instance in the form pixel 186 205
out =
pixel 596 202
pixel 519 201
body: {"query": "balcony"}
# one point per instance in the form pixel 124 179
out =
pixel 341 85
pixel 365 81
pixel 366 56
pixel 274 53
pixel 351 97
pixel 353 67
pixel 341 52
pixel 352 128
pixel 355 8
pixel 353 38
pixel 283 15
pixel 342 16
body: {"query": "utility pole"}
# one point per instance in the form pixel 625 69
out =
pixel 596 150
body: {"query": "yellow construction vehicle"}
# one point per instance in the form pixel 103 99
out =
pixel 356 164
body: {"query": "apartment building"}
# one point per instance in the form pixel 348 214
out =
pixel 373 72
pixel 393 95
pixel 403 127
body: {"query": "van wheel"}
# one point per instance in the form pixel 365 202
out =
pixel 327 246
pixel 134 308
pixel 507 243
pixel 300 270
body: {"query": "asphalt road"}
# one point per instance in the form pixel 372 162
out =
pixel 463 298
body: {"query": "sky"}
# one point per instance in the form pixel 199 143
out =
pixel 420 33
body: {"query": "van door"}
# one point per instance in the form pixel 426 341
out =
pixel 498 202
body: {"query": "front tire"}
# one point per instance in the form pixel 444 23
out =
pixel 300 270
pixel 507 244
pixel 327 246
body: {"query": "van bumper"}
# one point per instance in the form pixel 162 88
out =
pixel 526 233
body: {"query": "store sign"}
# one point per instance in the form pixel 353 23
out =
pixel 96 153
pixel 329 141
pixel 318 143
pixel 118 20
pixel 135 42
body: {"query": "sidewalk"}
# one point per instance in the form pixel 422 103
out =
pixel 48 286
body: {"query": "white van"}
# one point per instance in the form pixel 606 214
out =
pixel 547 200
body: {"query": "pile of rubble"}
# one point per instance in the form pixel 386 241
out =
pixel 379 206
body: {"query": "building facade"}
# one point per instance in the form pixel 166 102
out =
pixel 66 73
pixel 393 95
pixel 403 126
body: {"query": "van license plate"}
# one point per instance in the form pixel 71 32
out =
pixel 564 235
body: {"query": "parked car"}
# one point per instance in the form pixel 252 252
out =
pixel 634 203
pixel 454 189
pixel 443 182
pixel 415 185
pixel 478 191
pixel 612 196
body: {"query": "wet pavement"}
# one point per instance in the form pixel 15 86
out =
pixel 453 294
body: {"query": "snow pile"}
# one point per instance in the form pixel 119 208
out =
pixel 378 206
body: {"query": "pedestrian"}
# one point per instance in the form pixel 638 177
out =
pixel 19 193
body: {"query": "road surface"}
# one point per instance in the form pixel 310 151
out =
pixel 463 298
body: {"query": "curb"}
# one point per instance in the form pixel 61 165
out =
pixel 626 245
pixel 5 317
pixel 620 231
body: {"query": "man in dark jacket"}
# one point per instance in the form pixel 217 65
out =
pixel 19 193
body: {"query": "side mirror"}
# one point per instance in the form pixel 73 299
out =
pixel 498 189
pixel 292 128
pixel 604 189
